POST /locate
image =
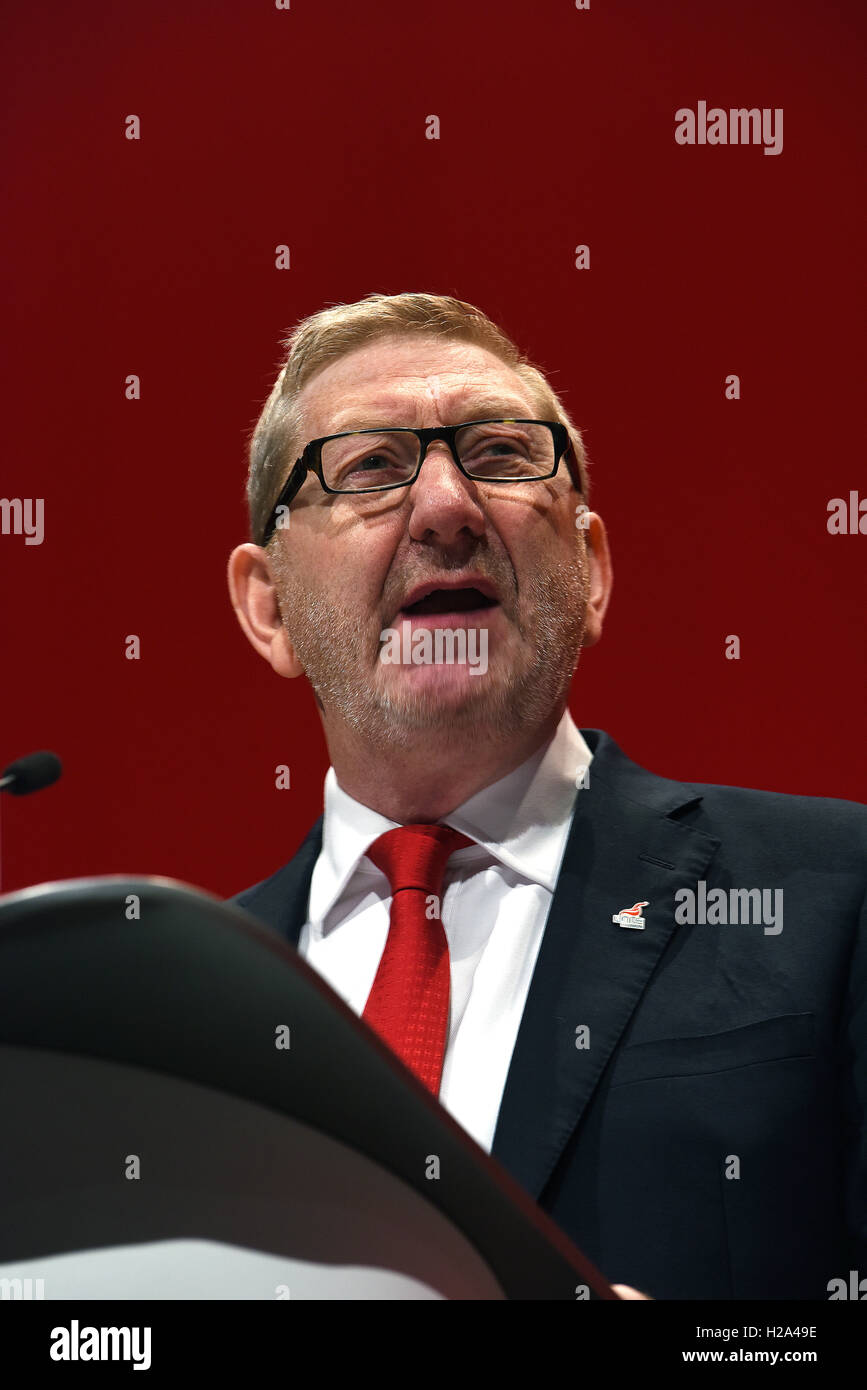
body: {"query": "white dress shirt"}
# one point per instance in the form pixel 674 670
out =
pixel 495 901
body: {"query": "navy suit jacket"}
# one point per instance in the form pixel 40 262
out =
pixel 705 1138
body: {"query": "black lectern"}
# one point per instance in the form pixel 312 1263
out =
pixel 189 1111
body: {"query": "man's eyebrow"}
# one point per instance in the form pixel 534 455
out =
pixel 485 408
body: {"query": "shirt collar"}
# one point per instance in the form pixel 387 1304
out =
pixel 522 820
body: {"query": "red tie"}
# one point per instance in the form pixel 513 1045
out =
pixel 408 1005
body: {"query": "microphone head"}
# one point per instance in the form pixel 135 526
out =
pixel 31 773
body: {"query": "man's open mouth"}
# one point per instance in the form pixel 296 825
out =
pixel 467 600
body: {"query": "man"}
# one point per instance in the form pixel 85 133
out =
pixel 645 998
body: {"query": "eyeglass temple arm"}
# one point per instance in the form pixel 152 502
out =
pixel 300 469
pixel 572 465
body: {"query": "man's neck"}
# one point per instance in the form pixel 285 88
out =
pixel 425 782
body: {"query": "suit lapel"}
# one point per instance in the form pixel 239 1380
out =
pixel 624 847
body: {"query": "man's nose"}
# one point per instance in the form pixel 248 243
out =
pixel 443 499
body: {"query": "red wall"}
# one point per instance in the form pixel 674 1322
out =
pixel 306 126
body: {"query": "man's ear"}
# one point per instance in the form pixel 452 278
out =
pixel 601 577
pixel 253 592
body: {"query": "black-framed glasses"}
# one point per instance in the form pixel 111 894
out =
pixel 378 460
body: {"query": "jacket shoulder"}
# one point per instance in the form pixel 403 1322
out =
pixel 798 824
pixel 270 895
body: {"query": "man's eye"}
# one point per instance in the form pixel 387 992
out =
pixel 372 462
pixel 498 448
pixel 502 449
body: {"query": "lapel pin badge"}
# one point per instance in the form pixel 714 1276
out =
pixel 631 917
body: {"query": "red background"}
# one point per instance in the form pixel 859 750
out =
pixel 307 127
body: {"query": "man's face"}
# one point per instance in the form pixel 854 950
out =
pixel 506 559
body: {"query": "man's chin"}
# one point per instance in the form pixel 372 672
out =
pixel 440 686
pixel 449 699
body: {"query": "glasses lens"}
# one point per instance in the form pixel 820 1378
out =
pixel 496 451
pixel 505 450
pixel 360 462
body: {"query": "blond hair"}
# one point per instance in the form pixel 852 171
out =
pixel 331 333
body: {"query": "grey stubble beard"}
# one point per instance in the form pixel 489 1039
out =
pixel 330 645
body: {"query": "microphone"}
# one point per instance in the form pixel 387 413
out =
pixel 31 773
